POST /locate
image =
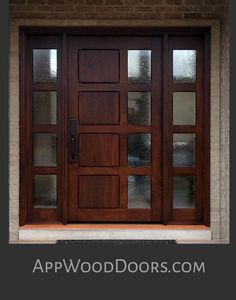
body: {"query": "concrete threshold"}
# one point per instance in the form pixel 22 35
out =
pixel 53 232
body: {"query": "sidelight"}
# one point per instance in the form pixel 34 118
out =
pixel 45 146
pixel 184 66
pixel 45 108
pixel 139 65
pixel 44 65
pixel 184 108
pixel 183 191
pixel 183 150
pixel 45 191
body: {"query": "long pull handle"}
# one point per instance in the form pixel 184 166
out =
pixel 73 140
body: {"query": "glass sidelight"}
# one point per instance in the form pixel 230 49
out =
pixel 44 65
pixel 45 191
pixel 45 112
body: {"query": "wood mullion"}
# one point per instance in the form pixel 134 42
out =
pixel 184 171
pixel 45 170
pixel 156 136
pixel 167 130
pixel 184 129
pixel 45 86
pixel 45 129
pixel 184 87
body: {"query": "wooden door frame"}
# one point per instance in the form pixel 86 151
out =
pixel 63 33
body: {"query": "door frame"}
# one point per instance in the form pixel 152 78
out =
pixel 62 32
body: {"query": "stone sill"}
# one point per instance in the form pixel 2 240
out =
pixel 53 232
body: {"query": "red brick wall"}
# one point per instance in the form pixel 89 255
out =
pixel 117 9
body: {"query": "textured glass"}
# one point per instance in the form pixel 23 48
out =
pixel 184 108
pixel 45 191
pixel 139 192
pixel 139 65
pixel 45 107
pixel 44 65
pixel 183 191
pixel 184 66
pixel 184 150
pixel 45 146
pixel 139 150
pixel 139 108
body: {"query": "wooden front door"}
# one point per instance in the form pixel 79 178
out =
pixel 114 125
pixel 114 129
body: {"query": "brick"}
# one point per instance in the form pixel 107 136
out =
pixel 77 2
pixel 84 8
pixel 114 2
pixel 55 2
pixel 214 2
pixel 123 8
pixel 24 8
pixel 163 8
pixel 174 2
pixel 24 15
pixel 193 2
pixel 203 8
pixel 126 16
pixel 64 15
pixel 95 2
pixel 144 8
pixel 212 15
pixel 219 8
pixel 192 16
pixel 135 2
pixel 153 2
pixel 17 1
pixel 38 2
pixel 185 8
pixel 103 8
pixel 173 15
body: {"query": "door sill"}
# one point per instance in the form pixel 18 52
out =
pixel 53 232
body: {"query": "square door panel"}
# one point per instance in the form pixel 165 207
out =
pixel 99 150
pixel 99 108
pixel 98 191
pixel 101 66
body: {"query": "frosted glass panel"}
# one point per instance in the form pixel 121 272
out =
pixel 45 107
pixel 139 108
pixel 183 150
pixel 184 66
pixel 45 146
pixel 45 191
pixel 139 192
pixel 44 65
pixel 139 150
pixel 184 192
pixel 184 108
pixel 139 65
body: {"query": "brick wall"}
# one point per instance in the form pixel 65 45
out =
pixel 117 9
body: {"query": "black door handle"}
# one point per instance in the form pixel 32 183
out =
pixel 73 140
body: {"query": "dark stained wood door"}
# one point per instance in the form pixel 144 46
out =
pixel 114 129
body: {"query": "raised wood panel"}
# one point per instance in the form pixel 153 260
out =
pixel 99 66
pixel 98 191
pixel 100 150
pixel 99 108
